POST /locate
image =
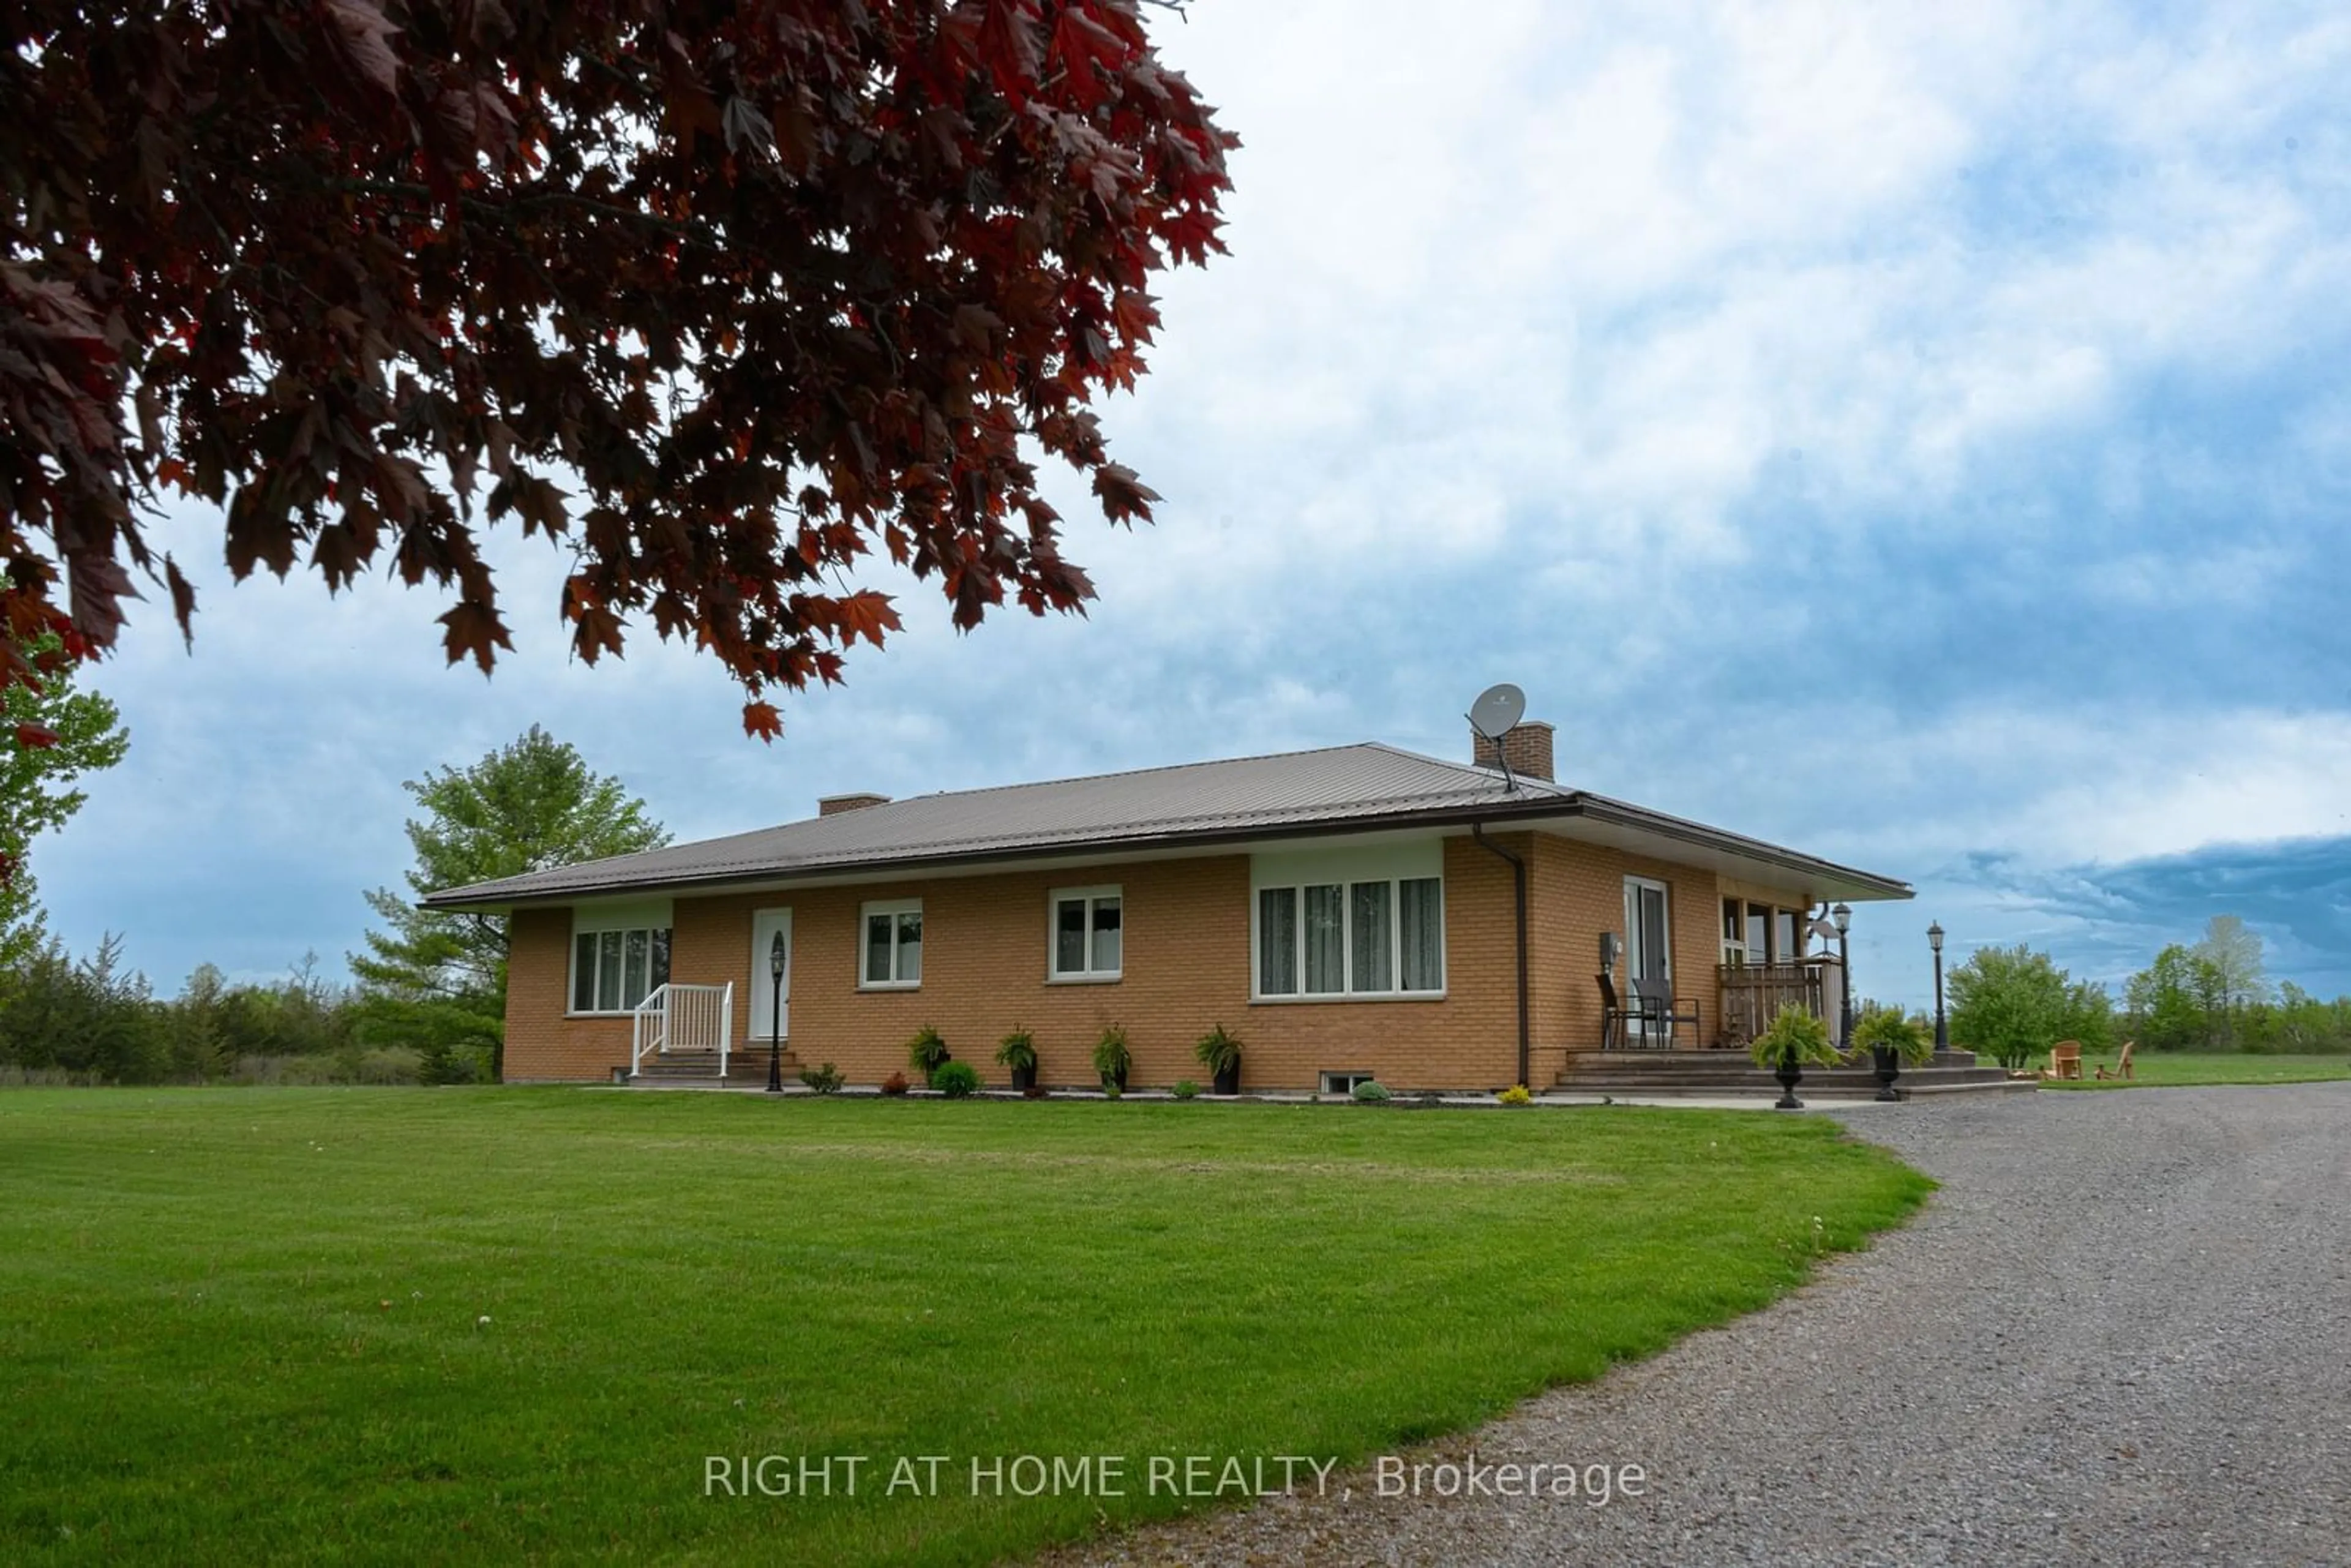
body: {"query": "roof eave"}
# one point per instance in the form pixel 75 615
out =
pixel 487 898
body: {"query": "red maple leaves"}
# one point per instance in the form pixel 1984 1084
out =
pixel 719 297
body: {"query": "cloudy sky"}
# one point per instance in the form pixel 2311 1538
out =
pixel 1916 433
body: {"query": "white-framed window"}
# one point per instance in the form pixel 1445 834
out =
pixel 1087 939
pixel 1350 923
pixel 1344 1082
pixel 890 953
pixel 620 955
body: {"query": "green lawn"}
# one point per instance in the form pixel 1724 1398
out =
pixel 430 1325
pixel 2188 1068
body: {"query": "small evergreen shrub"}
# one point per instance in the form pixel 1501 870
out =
pixel 1184 1089
pixel 825 1080
pixel 956 1080
pixel 1372 1092
pixel 1516 1094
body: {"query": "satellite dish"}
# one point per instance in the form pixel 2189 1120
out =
pixel 1496 710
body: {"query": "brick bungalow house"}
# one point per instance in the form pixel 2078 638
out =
pixel 1351 911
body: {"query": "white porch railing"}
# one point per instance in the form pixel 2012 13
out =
pixel 684 1018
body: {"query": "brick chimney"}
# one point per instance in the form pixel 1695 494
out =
pixel 834 805
pixel 1527 745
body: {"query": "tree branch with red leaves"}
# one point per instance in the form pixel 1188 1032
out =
pixel 722 297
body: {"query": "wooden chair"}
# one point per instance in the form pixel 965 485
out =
pixel 2123 1068
pixel 1613 1015
pixel 1657 1004
pixel 2065 1059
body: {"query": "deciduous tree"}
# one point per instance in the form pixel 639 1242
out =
pixel 50 735
pixel 437 980
pixel 722 297
pixel 2013 1003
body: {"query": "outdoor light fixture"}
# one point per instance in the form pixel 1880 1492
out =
pixel 1843 915
pixel 1942 1031
pixel 777 959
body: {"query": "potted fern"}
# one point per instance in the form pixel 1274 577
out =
pixel 1017 1050
pixel 926 1051
pixel 1892 1037
pixel 1220 1053
pixel 1112 1059
pixel 1795 1040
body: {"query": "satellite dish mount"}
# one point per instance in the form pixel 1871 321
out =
pixel 1493 715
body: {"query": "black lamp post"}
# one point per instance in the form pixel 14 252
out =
pixel 1942 1031
pixel 775 960
pixel 1843 915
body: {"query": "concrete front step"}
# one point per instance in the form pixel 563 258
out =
pixel 745 1066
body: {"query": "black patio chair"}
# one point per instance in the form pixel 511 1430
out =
pixel 1614 1015
pixel 1657 1004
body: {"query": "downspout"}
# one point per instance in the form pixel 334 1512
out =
pixel 1519 874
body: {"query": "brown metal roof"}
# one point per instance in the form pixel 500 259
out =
pixel 1336 788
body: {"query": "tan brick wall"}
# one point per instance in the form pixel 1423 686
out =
pixel 1579 894
pixel 1187 967
pixel 542 1044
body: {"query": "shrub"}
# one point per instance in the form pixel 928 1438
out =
pixel 2014 1003
pixel 1112 1056
pixel 1110 1090
pixel 926 1051
pixel 1516 1094
pixel 1186 1089
pixel 894 1084
pixel 825 1080
pixel 1372 1092
pixel 1017 1050
pixel 1912 1043
pixel 1797 1031
pixel 956 1080
pixel 1218 1051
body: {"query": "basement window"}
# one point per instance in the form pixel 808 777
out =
pixel 1344 1082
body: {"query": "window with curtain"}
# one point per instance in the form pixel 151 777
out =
pixel 1382 937
pixel 615 971
pixel 1420 934
pixel 1277 942
pixel 1089 934
pixel 893 946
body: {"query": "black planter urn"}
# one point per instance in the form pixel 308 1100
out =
pixel 1789 1075
pixel 1229 1080
pixel 1024 1079
pixel 1889 1068
pixel 1115 1079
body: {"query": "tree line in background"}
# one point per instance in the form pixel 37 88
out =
pixel 427 1001
pixel 2014 1003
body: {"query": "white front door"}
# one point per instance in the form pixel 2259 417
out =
pixel 767 924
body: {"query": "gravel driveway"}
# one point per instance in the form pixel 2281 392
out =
pixel 2116 1335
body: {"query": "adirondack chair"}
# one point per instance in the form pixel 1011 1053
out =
pixel 2123 1068
pixel 2064 1059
